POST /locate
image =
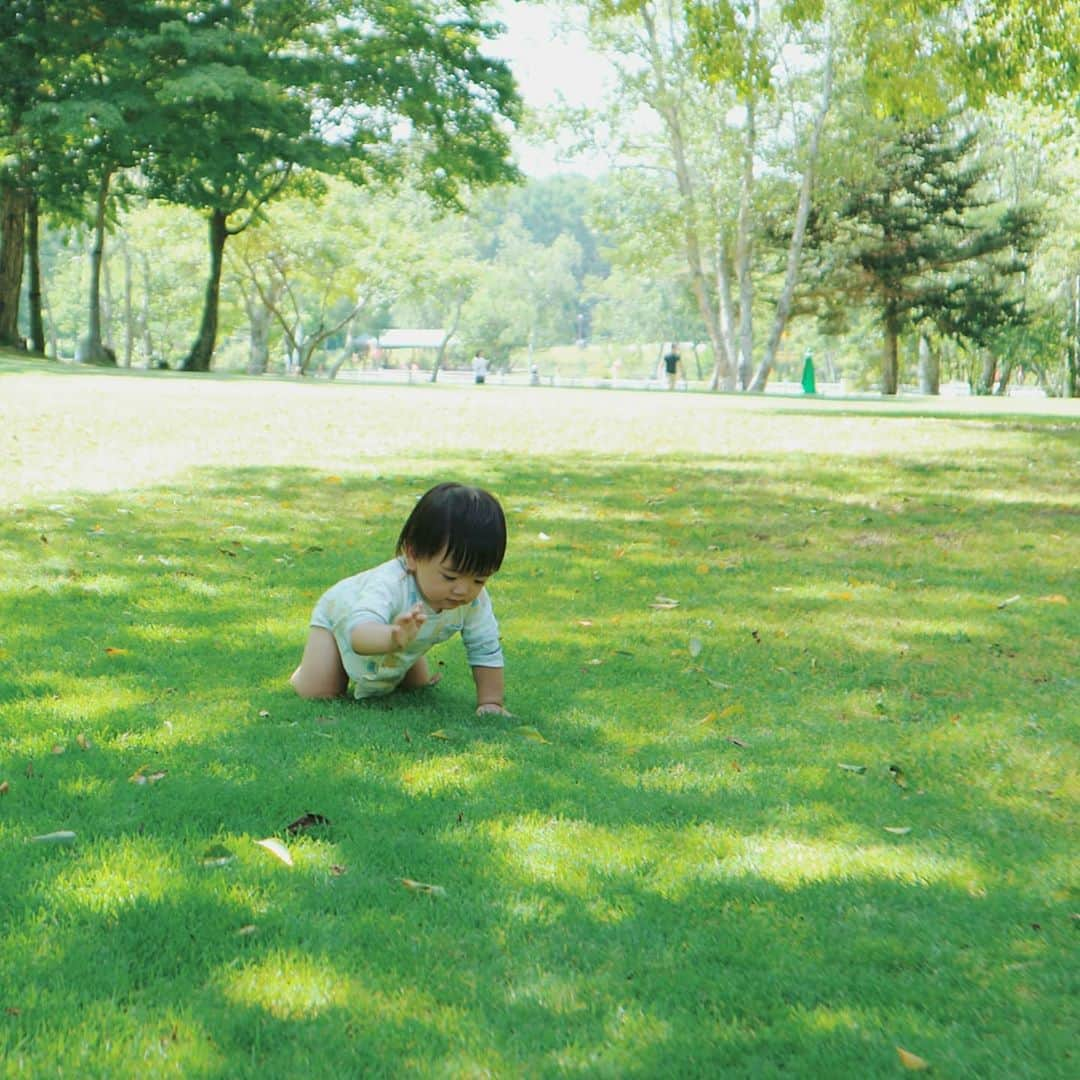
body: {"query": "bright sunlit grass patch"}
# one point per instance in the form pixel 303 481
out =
pixel 790 780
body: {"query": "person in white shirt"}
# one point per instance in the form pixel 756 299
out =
pixel 374 628
pixel 480 368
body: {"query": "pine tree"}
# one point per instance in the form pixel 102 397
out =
pixel 923 244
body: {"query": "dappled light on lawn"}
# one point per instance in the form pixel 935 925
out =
pixel 788 784
pixel 579 858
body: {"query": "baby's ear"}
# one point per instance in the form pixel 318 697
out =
pixel 410 559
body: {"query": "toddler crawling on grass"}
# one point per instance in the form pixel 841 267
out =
pixel 375 627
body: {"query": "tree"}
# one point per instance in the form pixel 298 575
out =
pixel 922 243
pixel 75 104
pixel 726 106
pixel 526 295
pixel 303 269
pixel 22 46
pixel 254 93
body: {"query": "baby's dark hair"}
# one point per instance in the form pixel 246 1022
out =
pixel 467 522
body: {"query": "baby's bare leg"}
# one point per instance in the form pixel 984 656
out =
pixel 320 674
pixel 418 676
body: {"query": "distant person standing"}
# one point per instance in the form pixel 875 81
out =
pixel 480 368
pixel 673 365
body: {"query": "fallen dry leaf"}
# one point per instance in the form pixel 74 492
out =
pixel 264 714
pixel 277 849
pixel 441 734
pixel 304 822
pixel 83 741
pixel 1055 598
pixel 63 836
pixel 1011 600
pixel 423 887
pixel 527 732
pixel 708 718
pixel 897 830
pixel 695 647
pixel 112 651
pixel 4 788
pixel 852 768
pixel 663 603
pixel 59 748
pixel 140 776
pixel 246 931
pixel 737 742
pixel 912 1061
pixel 336 870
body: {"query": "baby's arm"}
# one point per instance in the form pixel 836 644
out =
pixel 377 639
pixel 489 691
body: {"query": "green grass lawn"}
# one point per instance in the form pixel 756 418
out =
pixel 792 781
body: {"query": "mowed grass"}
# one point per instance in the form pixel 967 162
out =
pixel 791 783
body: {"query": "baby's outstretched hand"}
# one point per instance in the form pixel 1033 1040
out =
pixel 493 707
pixel 407 625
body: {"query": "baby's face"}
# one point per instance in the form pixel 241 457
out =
pixel 441 584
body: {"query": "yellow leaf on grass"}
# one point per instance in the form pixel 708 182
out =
pixel 912 1061
pixel 1055 598
pixel 728 710
pixel 440 734
pixel 277 849
pixel 140 776
pixel 527 732
pixel 5 787
pixel 423 887
pixel 333 480
pixel 111 651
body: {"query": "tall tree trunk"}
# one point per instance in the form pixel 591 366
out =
pixel 890 360
pixel 144 315
pixel 37 321
pixel 987 372
pixel 440 356
pixel 802 215
pixel 13 206
pixel 669 112
pixel 202 352
pixel 93 350
pixel 929 368
pixel 259 340
pixel 744 252
pixel 129 305
pixel 1071 383
pixel 724 367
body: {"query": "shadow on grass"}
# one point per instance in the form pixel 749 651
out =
pixel 680 880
